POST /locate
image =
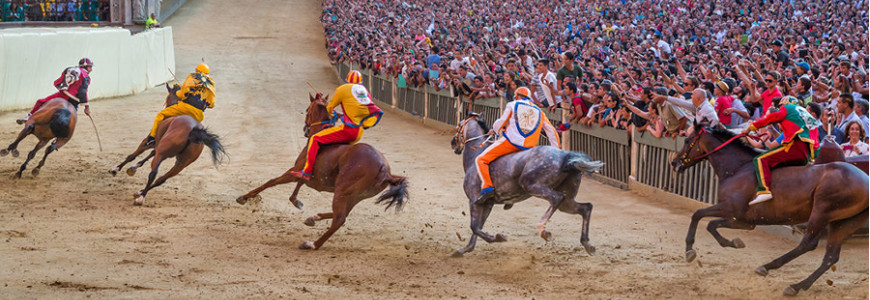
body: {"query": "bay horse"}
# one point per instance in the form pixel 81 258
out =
pixel 56 119
pixel 181 137
pixel 351 172
pixel 545 172
pixel 834 194
pixel 171 99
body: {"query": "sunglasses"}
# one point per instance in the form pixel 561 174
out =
pixel 768 80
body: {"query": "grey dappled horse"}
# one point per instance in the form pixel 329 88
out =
pixel 545 172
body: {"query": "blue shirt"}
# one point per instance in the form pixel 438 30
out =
pixel 432 59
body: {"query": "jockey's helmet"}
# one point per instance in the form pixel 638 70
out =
pixel 202 68
pixel 354 77
pixel 788 100
pixel 522 93
pixel 85 62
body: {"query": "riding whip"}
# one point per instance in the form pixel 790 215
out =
pixel 97 132
pixel 173 76
pixel 311 86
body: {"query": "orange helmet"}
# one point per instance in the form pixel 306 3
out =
pixel 354 77
pixel 522 93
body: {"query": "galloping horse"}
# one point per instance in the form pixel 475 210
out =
pixel 54 120
pixel 834 194
pixel 171 99
pixel 545 172
pixel 351 172
pixel 181 137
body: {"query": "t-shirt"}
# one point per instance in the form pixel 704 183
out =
pixel 433 59
pixel 563 72
pixel 671 116
pixel 577 102
pixel 723 103
pixel 767 99
pixel 541 93
pixel 637 120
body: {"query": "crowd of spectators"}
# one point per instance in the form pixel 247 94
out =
pixel 656 65
pixel 54 10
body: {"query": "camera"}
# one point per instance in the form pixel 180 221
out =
pixel 803 53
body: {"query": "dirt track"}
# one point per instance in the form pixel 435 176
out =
pixel 73 233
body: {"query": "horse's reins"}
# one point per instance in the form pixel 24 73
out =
pixel 698 137
pixel 465 141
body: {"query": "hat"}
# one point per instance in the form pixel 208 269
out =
pixel 723 86
pixel 776 42
pixel 803 65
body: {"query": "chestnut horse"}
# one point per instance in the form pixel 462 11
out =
pixel 171 99
pixel 351 172
pixel 834 194
pixel 181 137
pixel 56 119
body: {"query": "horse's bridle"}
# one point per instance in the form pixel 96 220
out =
pixel 687 160
pixel 461 138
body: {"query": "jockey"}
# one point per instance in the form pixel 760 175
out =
pixel 72 86
pixel 359 113
pixel 799 144
pixel 520 125
pixel 195 96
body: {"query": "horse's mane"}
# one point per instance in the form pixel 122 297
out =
pixel 483 125
pixel 723 135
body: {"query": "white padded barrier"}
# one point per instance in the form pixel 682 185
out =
pixel 32 58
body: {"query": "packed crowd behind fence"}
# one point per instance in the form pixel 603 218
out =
pixel 623 64
pixel 54 10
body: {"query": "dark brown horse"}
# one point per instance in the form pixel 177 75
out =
pixel 181 137
pixel 834 194
pixel 56 119
pixel 171 99
pixel 351 172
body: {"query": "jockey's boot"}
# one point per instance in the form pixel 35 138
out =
pixel 761 197
pixel 149 141
pixel 23 120
pixel 485 195
pixel 301 175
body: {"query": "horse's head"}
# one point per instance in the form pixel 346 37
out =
pixel 171 98
pixel 316 115
pixel 696 146
pixel 472 125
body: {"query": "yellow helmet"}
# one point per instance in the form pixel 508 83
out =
pixel 789 100
pixel 522 93
pixel 354 77
pixel 202 68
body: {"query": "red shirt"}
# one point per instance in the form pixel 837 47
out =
pixel 723 103
pixel 767 99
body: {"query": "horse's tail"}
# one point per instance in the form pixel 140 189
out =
pixel 579 161
pixel 397 193
pixel 59 123
pixel 201 135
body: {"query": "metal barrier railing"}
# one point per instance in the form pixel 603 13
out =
pixel 699 183
pixel 411 101
pixel 442 107
pixel 608 145
pixel 489 109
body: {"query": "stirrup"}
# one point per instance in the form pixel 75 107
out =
pixel 23 120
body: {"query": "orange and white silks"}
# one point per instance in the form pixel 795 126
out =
pixel 521 125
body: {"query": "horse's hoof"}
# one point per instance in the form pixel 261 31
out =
pixel 790 291
pixel 500 238
pixel 35 172
pixel 4 152
pixel 546 235
pixel 15 153
pixel 298 204
pixel 131 171
pixel 589 248
pixel 738 243
pixel 762 271
pixel 17 175
pixel 137 194
pixel 139 200
pixel 307 245
pixel 691 255
pixel 457 253
pixel 113 171
pixel 508 206
pixel 241 200
pixel 309 222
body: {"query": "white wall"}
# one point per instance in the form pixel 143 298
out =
pixel 32 58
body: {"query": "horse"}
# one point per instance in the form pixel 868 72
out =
pixel 171 99
pixel 351 172
pixel 834 194
pixel 545 172
pixel 56 119
pixel 181 137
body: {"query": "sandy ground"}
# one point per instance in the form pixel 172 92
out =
pixel 73 233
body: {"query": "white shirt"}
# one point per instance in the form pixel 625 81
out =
pixel 541 92
pixel 860 148
pixel 705 112
pixel 664 46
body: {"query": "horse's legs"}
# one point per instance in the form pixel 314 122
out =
pixel 141 148
pixel 310 221
pixel 14 146
pixel 815 228
pixel 284 178
pixel 715 210
pixel 555 198
pixel 155 165
pixel 585 211
pixel 728 223
pixel 298 204
pixel 30 156
pixel 48 151
pixel 839 230
pixel 132 169
pixel 342 203
pixel 479 214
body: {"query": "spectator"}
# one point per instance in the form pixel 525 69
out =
pixel 828 120
pixel 856 145
pixel 152 22
pixel 845 107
